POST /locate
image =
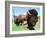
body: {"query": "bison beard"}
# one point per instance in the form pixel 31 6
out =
pixel 32 19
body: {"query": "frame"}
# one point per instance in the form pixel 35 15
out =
pixel 12 8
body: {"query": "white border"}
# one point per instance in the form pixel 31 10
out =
pixel 23 32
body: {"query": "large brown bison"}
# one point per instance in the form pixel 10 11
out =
pixel 19 19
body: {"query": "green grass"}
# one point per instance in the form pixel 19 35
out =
pixel 18 28
pixel 24 27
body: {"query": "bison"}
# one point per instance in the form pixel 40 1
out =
pixel 19 19
pixel 32 18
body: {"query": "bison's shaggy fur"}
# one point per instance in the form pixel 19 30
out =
pixel 19 19
pixel 32 18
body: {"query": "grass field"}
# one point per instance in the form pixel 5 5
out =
pixel 19 28
pixel 24 27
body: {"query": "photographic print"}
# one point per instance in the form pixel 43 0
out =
pixel 25 19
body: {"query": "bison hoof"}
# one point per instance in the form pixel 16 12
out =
pixel 30 28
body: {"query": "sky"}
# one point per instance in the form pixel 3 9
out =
pixel 16 11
